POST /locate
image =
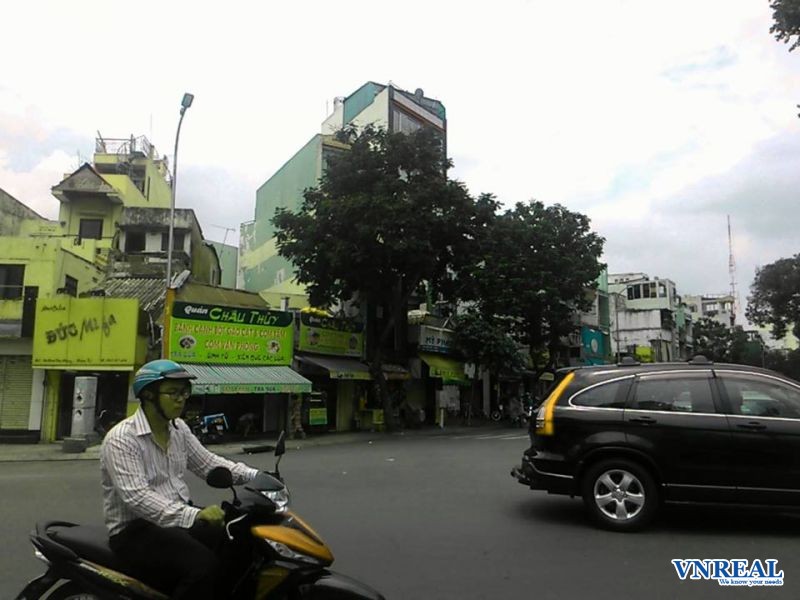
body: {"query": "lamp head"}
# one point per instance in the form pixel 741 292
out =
pixel 187 100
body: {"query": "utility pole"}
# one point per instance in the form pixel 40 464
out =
pixel 732 273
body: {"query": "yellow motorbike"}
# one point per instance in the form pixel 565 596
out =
pixel 288 559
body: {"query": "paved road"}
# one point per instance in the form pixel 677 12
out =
pixel 440 518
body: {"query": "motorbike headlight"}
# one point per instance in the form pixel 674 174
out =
pixel 280 498
pixel 286 552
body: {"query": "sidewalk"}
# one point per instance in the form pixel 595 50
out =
pixel 54 451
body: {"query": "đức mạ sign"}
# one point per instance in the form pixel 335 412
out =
pixel 215 334
pixel 85 333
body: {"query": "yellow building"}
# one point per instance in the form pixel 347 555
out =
pixel 37 260
pixel 113 225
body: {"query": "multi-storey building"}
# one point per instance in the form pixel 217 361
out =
pixel 387 106
pixel 719 307
pixel 649 320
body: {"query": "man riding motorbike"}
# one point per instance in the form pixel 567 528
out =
pixel 151 522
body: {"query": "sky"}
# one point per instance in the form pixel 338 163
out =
pixel 656 119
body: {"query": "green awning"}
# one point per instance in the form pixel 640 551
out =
pixel 337 368
pixel 449 370
pixel 225 379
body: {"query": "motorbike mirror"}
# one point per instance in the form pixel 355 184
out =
pixel 219 477
pixel 280 446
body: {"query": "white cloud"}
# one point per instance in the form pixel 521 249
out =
pixel 619 109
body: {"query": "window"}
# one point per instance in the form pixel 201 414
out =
pixel 70 286
pixel 177 241
pixel 662 290
pixel 91 229
pixel 11 281
pixel 604 395
pixel 134 241
pixel 761 397
pixel 401 122
pixel 634 292
pixel 674 393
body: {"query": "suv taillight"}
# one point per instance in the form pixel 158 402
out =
pixel 544 417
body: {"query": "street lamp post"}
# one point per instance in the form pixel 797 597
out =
pixel 185 103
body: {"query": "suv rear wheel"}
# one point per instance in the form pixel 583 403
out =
pixel 619 494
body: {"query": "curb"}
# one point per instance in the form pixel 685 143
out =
pixel 55 452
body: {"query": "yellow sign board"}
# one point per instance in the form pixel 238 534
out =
pixel 85 333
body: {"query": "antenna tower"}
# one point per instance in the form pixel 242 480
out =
pixel 732 273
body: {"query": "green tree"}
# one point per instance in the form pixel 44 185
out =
pixel 712 339
pixel 786 22
pixel 775 297
pixel 482 340
pixel 539 262
pixel 721 343
pixel 384 219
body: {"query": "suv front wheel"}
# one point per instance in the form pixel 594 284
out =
pixel 619 494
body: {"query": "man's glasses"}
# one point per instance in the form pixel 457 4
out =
pixel 175 394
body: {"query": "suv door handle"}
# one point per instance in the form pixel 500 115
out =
pixel 643 420
pixel 752 425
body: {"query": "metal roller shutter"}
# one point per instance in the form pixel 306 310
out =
pixel 16 375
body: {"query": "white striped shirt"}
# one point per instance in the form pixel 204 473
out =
pixel 142 481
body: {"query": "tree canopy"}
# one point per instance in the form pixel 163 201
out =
pixel 775 297
pixel 538 264
pixel 721 343
pixel 384 219
pixel 786 22
pixel 482 340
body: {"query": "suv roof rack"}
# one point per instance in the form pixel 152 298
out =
pixel 628 361
pixel 700 359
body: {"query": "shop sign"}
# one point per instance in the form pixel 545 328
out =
pixel 207 333
pixel 435 339
pixel 85 333
pixel 592 345
pixel 318 416
pixel 326 335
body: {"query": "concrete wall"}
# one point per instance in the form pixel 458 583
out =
pixel 13 214
pixel 259 263
pixel 376 113
pixel 229 261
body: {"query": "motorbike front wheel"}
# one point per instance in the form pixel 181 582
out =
pixel 72 591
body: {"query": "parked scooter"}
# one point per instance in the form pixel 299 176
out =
pixel 209 429
pixel 289 560
pixel 517 413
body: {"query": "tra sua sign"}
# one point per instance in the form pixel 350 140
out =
pixel 206 333
pixel 85 333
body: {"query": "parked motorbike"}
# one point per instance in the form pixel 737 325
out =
pixel 289 560
pixel 209 429
pixel 519 417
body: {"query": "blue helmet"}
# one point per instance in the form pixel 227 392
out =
pixel 158 370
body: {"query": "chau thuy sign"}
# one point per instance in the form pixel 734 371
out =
pixel 85 333
pixel 207 333
pixel 326 335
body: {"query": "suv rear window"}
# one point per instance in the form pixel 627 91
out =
pixel 669 392
pixel 603 395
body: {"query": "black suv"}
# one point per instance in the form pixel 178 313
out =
pixel 627 437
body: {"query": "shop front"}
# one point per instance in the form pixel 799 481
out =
pixel 329 353
pixel 85 349
pixel 443 378
pixel 240 357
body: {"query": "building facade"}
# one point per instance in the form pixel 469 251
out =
pixel 649 320
pixel 386 106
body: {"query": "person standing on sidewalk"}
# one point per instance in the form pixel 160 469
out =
pixel 296 414
pixel 152 524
